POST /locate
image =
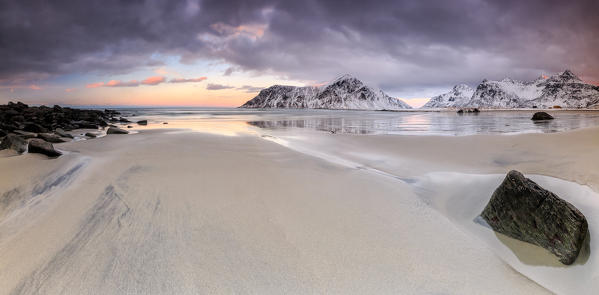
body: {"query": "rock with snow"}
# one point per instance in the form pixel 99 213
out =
pixel 457 97
pixel 346 92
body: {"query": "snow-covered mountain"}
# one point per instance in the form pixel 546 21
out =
pixel 346 92
pixel 565 90
pixel 458 96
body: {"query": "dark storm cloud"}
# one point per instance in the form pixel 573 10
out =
pixel 397 45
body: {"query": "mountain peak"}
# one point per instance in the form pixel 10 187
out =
pixel 461 87
pixel 345 92
pixel 345 77
pixel 568 75
pixel 564 77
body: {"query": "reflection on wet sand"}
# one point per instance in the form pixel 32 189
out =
pixel 426 123
pixel 333 125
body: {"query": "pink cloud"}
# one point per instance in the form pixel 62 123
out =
pixel 153 80
pixel 118 83
pixel 94 85
pixel 34 87
pixel 183 80
pixel 69 89
pixel 133 83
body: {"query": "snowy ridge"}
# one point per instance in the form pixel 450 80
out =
pixel 345 93
pixel 565 90
pixel 458 96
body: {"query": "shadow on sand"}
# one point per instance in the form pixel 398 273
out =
pixel 534 255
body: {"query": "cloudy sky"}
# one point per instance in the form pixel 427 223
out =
pixel 220 53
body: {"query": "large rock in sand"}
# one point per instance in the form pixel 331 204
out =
pixel 115 130
pixel 523 210
pixel 14 142
pixel 541 116
pixel 42 147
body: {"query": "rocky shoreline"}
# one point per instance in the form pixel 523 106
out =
pixel 35 128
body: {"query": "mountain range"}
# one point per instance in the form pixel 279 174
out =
pixel 344 93
pixel 565 90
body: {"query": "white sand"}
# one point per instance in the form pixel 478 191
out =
pixel 164 212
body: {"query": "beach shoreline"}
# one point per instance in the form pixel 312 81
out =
pixel 307 218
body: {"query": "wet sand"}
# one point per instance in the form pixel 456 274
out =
pixel 162 212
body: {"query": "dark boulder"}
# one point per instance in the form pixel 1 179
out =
pixel 89 134
pixel 142 122
pixel 25 134
pixel 42 147
pixel 523 210
pixel 33 127
pixel 50 137
pixel 14 142
pixel 114 130
pixel 468 110
pixel 60 132
pixel 539 116
pixel 85 124
pixel 124 120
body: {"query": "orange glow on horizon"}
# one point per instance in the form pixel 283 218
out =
pixel 415 102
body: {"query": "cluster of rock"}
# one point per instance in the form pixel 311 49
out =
pixel 521 209
pixel 468 110
pixel 563 90
pixel 34 129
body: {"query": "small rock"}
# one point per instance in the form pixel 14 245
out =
pixel 468 110
pixel 60 132
pixel 89 134
pixel 49 137
pixel 85 124
pixel 42 147
pixel 25 134
pixel 129 126
pixel 521 209
pixel 114 130
pixel 165 123
pixel 36 128
pixel 538 116
pixel 142 122
pixel 123 120
pixel 14 142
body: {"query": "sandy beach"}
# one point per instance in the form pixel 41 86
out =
pixel 168 211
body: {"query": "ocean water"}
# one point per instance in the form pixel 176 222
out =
pixel 233 121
